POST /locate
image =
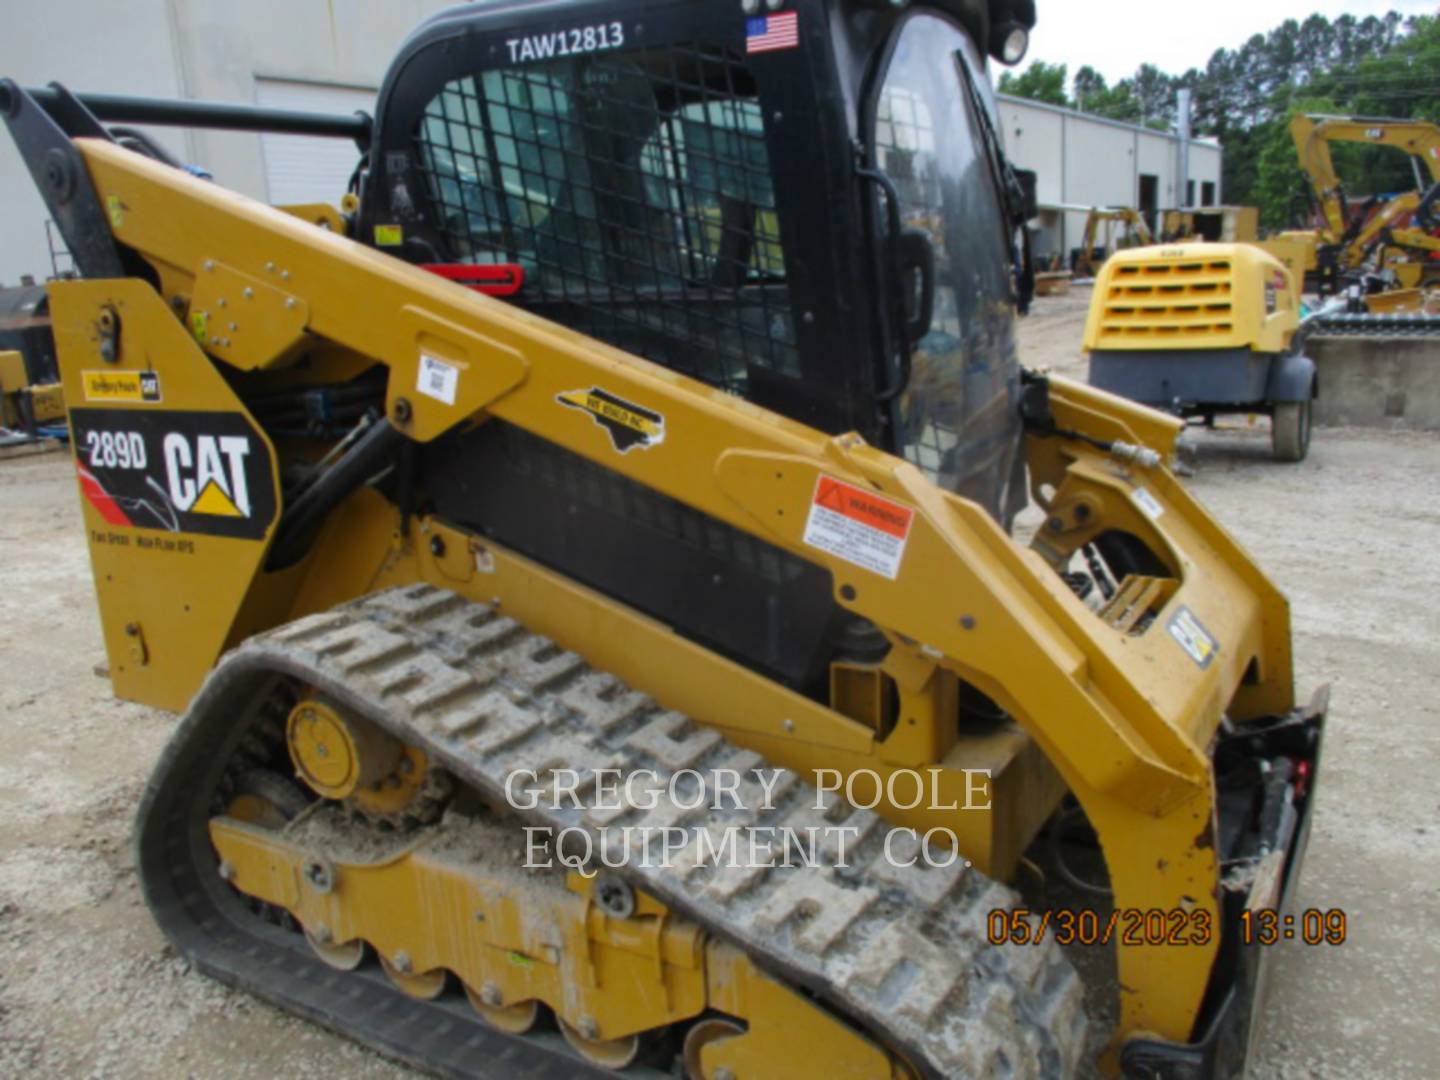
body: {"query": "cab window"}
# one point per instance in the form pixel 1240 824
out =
pixel 635 189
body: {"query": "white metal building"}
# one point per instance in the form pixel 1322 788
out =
pixel 316 55
pixel 1084 161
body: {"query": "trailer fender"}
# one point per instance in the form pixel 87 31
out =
pixel 1292 378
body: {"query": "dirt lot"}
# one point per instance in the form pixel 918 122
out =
pixel 88 988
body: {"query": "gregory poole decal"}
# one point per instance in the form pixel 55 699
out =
pixel 859 526
pixel 136 387
pixel 628 424
pixel 181 472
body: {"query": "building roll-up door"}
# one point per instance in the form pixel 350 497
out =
pixel 301 169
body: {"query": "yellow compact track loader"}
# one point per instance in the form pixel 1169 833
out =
pixel 631 668
pixel 31 403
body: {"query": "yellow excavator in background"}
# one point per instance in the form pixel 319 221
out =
pixel 1400 240
pixel 617 495
pixel 1102 238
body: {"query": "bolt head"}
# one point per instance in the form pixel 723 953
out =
pixel 401 963
pixel 227 870
pixel 589 1028
pixel 490 994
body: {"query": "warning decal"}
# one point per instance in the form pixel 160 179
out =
pixel 859 526
pixel 1185 628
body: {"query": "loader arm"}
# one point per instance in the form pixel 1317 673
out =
pixel 1126 703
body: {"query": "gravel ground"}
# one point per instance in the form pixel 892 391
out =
pixel 89 988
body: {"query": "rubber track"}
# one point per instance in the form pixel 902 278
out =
pixel 900 953
pixel 1410 325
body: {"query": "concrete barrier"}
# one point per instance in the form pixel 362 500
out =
pixel 1373 382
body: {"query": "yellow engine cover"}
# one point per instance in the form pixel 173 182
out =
pixel 1193 296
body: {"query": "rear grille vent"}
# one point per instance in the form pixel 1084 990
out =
pixel 1170 300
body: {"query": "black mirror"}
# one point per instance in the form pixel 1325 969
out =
pixel 917 282
pixel 1029 183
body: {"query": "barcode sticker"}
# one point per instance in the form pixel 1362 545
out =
pixel 438 379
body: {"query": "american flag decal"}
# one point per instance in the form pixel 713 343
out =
pixel 767 33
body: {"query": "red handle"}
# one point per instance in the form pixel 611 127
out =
pixel 492 279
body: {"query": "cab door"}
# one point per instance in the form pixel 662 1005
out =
pixel 957 416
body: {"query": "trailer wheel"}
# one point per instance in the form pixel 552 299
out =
pixel 1290 430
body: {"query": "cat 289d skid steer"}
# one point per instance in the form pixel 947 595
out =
pixel 697 527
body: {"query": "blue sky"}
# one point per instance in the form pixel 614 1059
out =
pixel 1116 37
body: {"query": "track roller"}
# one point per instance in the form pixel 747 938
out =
pixel 346 957
pixel 607 1053
pixel 702 1035
pixel 514 1019
pixel 425 986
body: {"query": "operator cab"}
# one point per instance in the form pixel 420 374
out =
pixel 807 208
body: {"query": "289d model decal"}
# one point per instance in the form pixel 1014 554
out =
pixel 183 472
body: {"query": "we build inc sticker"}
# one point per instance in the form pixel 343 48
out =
pixel 859 526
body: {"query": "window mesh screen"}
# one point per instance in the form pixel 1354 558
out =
pixel 635 189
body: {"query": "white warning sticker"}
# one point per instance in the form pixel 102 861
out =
pixel 1148 503
pixel 864 529
pixel 438 379
pixel 1193 638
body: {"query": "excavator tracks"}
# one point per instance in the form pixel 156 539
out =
pixel 901 954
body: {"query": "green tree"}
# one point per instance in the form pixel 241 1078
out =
pixel 1279 186
pixel 1090 86
pixel 1038 82
pixel 1094 95
pixel 1155 94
